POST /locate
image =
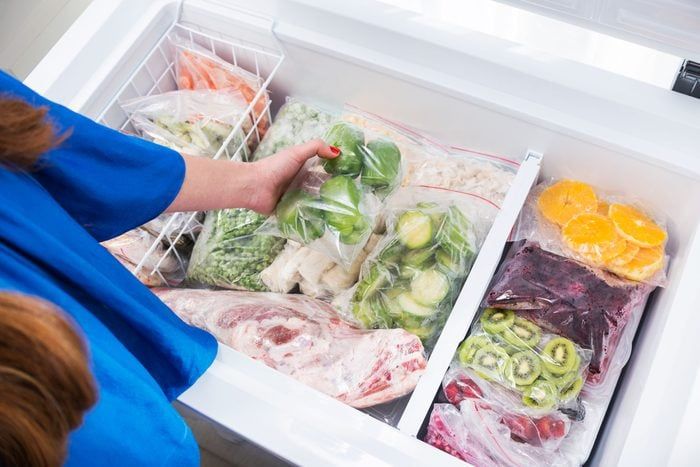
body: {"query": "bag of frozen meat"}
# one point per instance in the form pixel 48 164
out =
pixel 576 220
pixel 307 340
pixel 415 274
pixel 333 205
pixel 199 68
pixel 228 252
pixel 197 123
pixel 573 300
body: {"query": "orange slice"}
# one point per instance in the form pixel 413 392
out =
pixel 645 264
pixel 593 236
pixel 625 257
pixel 634 226
pixel 565 199
pixel 603 208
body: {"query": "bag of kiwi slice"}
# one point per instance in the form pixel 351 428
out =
pixel 546 371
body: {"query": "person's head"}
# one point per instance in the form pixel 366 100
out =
pixel 45 381
pixel 25 133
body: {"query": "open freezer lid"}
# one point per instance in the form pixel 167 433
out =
pixel 669 25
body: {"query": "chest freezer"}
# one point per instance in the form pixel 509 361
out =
pixel 564 119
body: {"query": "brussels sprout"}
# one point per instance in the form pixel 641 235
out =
pixel 341 191
pixel 377 278
pixel 380 163
pixel 297 218
pixel 349 139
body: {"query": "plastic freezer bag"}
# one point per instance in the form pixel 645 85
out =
pixel 307 340
pixel 131 247
pixel 573 219
pixel 565 297
pixel 228 253
pixel 427 162
pixel 542 371
pixel 333 205
pixel 199 68
pixel 193 122
pixel 416 272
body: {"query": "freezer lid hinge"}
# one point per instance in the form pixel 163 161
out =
pixel 688 79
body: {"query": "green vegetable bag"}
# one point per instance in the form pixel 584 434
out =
pixel 228 252
pixel 417 271
pixel 332 205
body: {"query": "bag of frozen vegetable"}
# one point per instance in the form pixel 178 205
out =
pixel 570 299
pixel 427 162
pixel 573 219
pixel 228 253
pixel 416 272
pixel 332 205
pixel 200 68
pixel 193 122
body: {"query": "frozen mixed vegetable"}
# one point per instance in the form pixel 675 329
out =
pixel 193 122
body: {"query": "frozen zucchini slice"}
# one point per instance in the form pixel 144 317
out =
pixel 412 307
pixel 415 229
pixel 429 287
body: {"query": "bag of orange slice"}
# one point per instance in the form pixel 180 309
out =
pixel 198 68
pixel 574 219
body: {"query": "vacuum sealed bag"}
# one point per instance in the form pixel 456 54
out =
pixel 199 68
pixel 306 339
pixel 570 299
pixel 416 272
pixel 229 253
pixel 611 233
pixel 193 122
pixel 333 205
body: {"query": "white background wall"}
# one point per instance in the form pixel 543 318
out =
pixel 29 28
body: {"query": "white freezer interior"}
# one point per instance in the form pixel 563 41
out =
pixel 399 78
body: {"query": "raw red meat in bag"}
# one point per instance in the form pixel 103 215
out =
pixel 568 298
pixel 305 339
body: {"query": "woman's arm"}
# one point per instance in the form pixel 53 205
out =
pixel 219 184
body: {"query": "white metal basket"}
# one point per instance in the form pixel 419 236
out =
pixel 156 75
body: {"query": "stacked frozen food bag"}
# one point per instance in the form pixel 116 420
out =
pixel 540 364
pixel 423 163
pixel 228 252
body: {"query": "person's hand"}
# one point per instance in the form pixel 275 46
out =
pixel 275 173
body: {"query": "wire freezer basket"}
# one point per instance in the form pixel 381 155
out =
pixel 162 262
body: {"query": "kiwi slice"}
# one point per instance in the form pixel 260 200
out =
pixel 489 360
pixel 541 394
pixel 523 334
pixel 559 356
pixel 468 348
pixel 560 381
pixel 523 368
pixel 495 320
pixel 571 390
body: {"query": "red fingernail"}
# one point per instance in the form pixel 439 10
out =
pixel 335 150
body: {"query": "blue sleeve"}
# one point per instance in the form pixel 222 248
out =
pixel 107 181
